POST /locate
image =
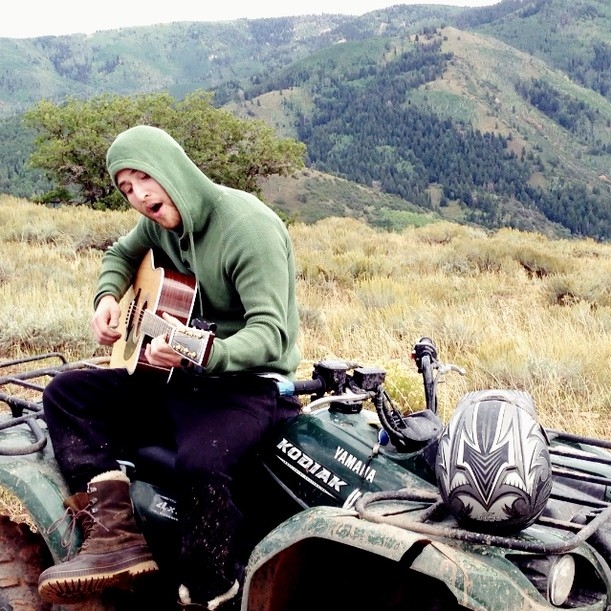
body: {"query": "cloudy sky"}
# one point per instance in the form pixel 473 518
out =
pixel 27 18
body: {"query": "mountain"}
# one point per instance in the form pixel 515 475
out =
pixel 499 116
pixel 181 57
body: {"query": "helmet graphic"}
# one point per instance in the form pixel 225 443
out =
pixel 493 463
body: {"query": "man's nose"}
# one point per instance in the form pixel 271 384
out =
pixel 141 192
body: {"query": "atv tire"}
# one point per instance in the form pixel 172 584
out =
pixel 23 556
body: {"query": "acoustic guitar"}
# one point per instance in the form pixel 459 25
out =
pixel 156 290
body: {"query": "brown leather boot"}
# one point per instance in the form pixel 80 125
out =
pixel 113 552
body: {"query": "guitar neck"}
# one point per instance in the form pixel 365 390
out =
pixel 153 325
pixel 191 343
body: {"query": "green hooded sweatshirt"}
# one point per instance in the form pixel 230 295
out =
pixel 237 248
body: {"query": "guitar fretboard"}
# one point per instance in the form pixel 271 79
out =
pixel 153 325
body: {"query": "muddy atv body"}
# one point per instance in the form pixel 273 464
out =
pixel 343 503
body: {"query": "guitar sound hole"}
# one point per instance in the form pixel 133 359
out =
pixel 133 316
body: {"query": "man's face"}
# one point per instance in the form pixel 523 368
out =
pixel 148 197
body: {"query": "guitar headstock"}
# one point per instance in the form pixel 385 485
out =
pixel 192 344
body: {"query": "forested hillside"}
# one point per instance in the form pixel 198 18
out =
pixel 458 124
pixel 499 116
pixel 570 36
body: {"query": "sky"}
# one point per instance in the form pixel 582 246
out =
pixel 31 18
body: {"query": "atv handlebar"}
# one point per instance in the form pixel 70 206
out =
pixel 308 387
pixel 332 377
pixel 289 388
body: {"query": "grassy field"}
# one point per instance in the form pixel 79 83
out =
pixel 513 309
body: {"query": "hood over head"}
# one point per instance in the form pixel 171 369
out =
pixel 152 150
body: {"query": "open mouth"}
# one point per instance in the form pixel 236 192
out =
pixel 155 208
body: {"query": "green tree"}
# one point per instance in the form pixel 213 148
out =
pixel 72 139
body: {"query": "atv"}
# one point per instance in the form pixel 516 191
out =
pixel 351 504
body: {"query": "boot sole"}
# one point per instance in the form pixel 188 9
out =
pixel 74 587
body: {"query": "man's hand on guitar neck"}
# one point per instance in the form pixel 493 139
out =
pixel 105 321
pixel 158 352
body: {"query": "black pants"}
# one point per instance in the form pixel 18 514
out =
pixel 98 416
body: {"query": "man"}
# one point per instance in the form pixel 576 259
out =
pixel 241 257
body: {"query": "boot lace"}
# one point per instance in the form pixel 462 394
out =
pixel 85 516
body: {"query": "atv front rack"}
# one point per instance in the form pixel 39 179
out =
pixel 21 385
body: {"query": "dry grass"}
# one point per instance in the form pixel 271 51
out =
pixel 513 309
pixel 11 506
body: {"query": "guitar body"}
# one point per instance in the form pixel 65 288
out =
pixel 155 290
